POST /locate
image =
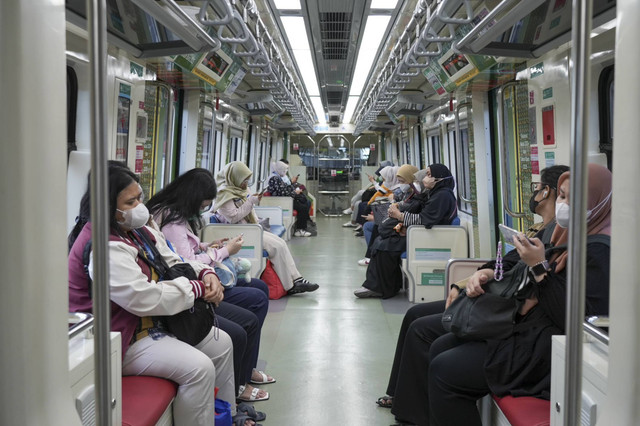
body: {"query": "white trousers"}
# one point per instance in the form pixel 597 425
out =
pixel 196 369
pixel 281 258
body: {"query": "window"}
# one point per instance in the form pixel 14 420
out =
pixel 605 112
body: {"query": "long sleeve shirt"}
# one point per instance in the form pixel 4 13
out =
pixel 188 245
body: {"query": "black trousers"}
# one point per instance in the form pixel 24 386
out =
pixel 241 316
pixel 384 274
pixel 411 396
pixel 456 381
pixel 374 235
pixel 415 312
pixel 303 212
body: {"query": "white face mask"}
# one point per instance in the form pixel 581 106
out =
pixel 404 187
pixel 136 217
pixel 562 215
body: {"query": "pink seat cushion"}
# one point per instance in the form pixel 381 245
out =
pixel 145 398
pixel 524 410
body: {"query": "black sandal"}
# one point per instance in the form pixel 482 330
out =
pixel 250 411
pixel 385 401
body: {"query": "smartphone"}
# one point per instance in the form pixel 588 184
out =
pixel 508 233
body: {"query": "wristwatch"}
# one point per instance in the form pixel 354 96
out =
pixel 540 268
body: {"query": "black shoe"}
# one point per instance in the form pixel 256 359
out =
pixel 312 231
pixel 359 233
pixel 302 286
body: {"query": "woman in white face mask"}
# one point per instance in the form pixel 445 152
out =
pixel 138 294
pixel 520 365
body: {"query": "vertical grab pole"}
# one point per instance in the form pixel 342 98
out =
pixel 97 21
pixel 580 51
pixel 168 164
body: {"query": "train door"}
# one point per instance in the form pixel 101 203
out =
pixel 163 161
pixel 418 147
pixel 433 146
pixel 206 147
pixel 513 153
pixel 218 147
pixel 235 145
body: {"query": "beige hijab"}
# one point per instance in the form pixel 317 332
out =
pixel 228 181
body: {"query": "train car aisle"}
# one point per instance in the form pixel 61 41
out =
pixel 330 352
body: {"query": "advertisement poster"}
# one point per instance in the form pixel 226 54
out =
pixel 139 158
pixel 535 161
pixel 221 68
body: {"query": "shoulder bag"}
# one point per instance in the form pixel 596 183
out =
pixel 193 324
pixel 492 315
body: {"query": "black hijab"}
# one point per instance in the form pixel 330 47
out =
pixel 440 171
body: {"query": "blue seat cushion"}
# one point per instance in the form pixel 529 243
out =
pixel 265 253
pixel 403 255
pixel 278 230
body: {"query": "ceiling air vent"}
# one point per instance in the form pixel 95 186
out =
pixel 334 97
pixel 335 30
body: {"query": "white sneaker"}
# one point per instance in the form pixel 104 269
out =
pixel 363 262
pixel 347 211
pixel 348 225
pixel 358 227
pixel 301 233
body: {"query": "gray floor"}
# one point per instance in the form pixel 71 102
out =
pixel 330 352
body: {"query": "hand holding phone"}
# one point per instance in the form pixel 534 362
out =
pixel 508 233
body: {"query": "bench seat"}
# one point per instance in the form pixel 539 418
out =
pixel 524 410
pixel 145 399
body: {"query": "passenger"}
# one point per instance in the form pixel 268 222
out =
pixel 234 204
pixel 177 210
pixel 422 323
pixel 521 364
pixel 363 209
pixel 353 210
pixel 278 188
pixel 136 297
pixel 436 205
pixel 402 193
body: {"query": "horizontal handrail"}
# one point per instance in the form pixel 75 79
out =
pixel 81 322
pixel 595 332
pixel 202 34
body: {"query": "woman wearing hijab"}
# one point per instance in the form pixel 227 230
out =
pixel 462 371
pixel 235 205
pixel 435 205
pixel 404 190
pixel 279 188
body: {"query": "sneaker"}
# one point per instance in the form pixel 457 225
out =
pixel 347 211
pixel 364 293
pixel 301 233
pixel 363 262
pixel 358 227
pixel 349 225
pixel 359 233
pixel 312 231
pixel 300 285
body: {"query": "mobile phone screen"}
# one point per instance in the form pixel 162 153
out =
pixel 507 233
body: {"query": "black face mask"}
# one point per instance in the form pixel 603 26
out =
pixel 533 204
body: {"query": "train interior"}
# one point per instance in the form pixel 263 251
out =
pixel 336 88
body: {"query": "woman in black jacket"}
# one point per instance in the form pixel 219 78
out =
pixel 435 205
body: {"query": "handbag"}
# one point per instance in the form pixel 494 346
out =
pixel 380 212
pixel 492 315
pixel 191 325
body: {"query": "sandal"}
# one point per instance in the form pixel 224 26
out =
pixel 265 379
pixel 253 397
pixel 385 401
pixel 250 411
pixel 241 420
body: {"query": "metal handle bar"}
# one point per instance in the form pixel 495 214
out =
pixel 459 157
pixel 81 322
pixel 506 192
pixel 202 34
pixel 224 20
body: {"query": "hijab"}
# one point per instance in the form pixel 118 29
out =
pixel 389 174
pixel 598 202
pixel 406 172
pixel 440 171
pixel 279 168
pixel 228 181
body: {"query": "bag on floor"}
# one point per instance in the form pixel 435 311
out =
pixel 269 276
pixel 223 413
